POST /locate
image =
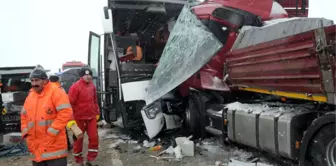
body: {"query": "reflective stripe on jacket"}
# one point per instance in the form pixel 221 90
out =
pixel 43 121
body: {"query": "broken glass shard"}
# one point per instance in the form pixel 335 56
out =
pixel 190 46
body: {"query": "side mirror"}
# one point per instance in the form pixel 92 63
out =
pixel 107 20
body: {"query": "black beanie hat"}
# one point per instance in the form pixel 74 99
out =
pixel 54 78
pixel 85 70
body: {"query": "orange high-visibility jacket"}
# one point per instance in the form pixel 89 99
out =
pixel 72 121
pixel 56 83
pixel 43 120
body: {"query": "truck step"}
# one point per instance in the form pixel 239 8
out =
pixel 214 114
pixel 213 131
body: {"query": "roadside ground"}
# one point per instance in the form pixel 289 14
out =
pixel 118 148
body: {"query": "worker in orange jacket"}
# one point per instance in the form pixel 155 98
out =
pixel 54 79
pixel 44 116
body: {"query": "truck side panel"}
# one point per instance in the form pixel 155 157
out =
pixel 289 64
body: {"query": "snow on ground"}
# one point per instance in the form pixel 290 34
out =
pixel 119 148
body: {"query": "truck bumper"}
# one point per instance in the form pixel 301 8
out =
pixel 153 126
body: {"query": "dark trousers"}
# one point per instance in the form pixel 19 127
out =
pixel 68 140
pixel 55 162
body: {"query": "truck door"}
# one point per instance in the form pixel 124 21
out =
pixel 94 55
pixel 94 59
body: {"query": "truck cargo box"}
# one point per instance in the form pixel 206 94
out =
pixel 293 58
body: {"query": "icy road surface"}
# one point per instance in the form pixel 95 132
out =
pixel 124 149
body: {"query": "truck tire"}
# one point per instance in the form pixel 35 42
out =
pixel 195 120
pixel 322 147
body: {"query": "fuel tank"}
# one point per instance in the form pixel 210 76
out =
pixel 273 129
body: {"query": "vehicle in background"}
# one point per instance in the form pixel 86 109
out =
pixel 14 90
pixel 72 64
pixel 68 77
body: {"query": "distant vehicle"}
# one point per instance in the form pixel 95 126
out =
pixel 72 64
pixel 13 91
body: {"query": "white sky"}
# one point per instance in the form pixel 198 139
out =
pixel 52 32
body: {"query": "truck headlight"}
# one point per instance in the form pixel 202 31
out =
pixel 153 109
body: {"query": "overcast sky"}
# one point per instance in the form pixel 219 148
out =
pixel 52 32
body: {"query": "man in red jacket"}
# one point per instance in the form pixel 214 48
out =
pixel 83 99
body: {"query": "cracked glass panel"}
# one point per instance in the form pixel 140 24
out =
pixel 190 46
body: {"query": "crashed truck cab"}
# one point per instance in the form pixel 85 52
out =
pixel 188 61
pixel 245 47
pixel 198 64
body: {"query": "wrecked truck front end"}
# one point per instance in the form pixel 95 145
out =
pixel 190 46
pixel 163 114
pixel 194 56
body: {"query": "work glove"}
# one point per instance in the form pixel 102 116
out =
pixel 97 117
pixel 70 123
pixel 4 111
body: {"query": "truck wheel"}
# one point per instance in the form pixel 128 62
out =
pixel 322 148
pixel 195 116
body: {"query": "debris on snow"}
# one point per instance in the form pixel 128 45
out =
pixel 111 136
pixel 119 122
pixel 212 149
pixel 116 144
pixel 178 152
pixel 186 145
pixel 160 158
pixel 170 150
pixel 218 163
pixel 146 144
pixel 137 147
pixel 124 137
pixel 132 141
pixel 156 148
pixel 102 133
pixel 102 123
pixel 234 162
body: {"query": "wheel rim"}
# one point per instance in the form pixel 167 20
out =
pixel 331 153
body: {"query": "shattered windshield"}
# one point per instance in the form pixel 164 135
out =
pixel 190 46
